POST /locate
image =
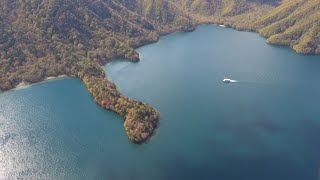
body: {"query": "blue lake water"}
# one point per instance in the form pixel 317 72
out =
pixel 266 126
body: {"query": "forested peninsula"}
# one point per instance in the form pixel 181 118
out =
pixel 40 39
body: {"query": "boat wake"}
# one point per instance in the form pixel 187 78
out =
pixel 234 81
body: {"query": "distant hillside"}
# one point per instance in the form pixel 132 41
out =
pixel 40 39
pixel 295 23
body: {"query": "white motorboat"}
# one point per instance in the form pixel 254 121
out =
pixel 222 25
pixel 227 80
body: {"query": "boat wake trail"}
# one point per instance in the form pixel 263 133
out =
pixel 234 81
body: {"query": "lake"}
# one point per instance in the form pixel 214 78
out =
pixel 265 126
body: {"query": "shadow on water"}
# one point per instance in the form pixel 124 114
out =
pixel 228 167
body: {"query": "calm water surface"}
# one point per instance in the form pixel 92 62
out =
pixel 266 126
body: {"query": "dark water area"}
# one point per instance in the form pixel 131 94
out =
pixel 265 126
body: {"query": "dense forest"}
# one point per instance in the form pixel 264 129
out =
pixel 40 39
pixel 294 23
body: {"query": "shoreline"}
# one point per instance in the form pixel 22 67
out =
pixel 25 85
pixel 252 30
pixel 55 77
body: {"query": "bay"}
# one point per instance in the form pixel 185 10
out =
pixel 265 126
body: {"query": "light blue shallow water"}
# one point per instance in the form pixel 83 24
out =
pixel 267 126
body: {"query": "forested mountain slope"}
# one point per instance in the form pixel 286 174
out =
pixel 40 38
pixel 295 23
pixel 50 38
